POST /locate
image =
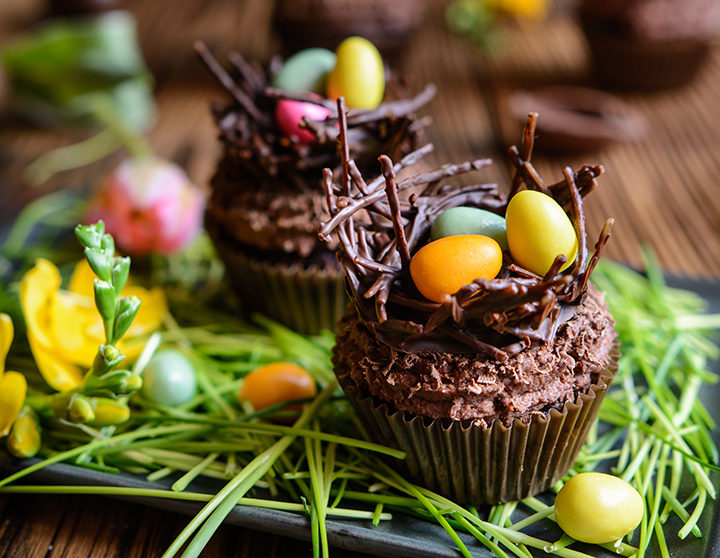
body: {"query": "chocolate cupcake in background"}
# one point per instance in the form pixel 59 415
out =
pixel 267 197
pixel 325 23
pixel 649 44
pixel 491 391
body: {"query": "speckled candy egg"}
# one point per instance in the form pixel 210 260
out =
pixel 470 220
pixel 359 74
pixel 538 230
pixel 289 115
pixel 169 378
pixel 306 70
pixel 443 266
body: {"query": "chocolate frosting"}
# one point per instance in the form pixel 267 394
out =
pixel 478 388
pixel 267 192
pixel 498 317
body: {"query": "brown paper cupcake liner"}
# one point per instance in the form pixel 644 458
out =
pixel 307 300
pixel 486 465
pixel 644 64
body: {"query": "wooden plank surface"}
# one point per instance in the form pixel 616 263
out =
pixel 662 191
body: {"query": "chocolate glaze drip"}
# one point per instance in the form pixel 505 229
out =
pixel 497 317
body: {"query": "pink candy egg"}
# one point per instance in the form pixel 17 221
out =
pixel 289 115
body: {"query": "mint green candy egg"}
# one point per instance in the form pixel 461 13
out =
pixel 306 70
pixel 169 379
pixel 470 220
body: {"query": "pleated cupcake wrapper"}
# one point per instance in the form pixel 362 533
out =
pixel 485 465
pixel 305 300
pixel 645 64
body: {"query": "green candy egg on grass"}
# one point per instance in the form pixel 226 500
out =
pixel 470 220
pixel 169 379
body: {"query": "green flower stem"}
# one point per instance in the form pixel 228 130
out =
pixel 474 531
pixel 217 509
pixel 679 509
pixel 657 493
pixel 101 107
pixel 95 444
pixel 159 474
pixel 705 322
pixel 693 519
pixel 698 471
pixel 290 430
pixel 70 157
pixel 147 353
pixel 380 498
pixel 662 543
pixel 188 496
pixel 548 511
pixel 183 482
pixel 564 542
pixel 160 442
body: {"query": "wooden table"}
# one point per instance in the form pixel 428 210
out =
pixel 662 192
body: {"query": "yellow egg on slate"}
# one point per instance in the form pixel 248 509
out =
pixel 598 508
pixel 443 266
pixel 538 230
pixel 359 74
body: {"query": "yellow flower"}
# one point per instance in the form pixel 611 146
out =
pixel 13 385
pixel 65 329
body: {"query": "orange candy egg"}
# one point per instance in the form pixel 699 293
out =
pixel 442 267
pixel 276 383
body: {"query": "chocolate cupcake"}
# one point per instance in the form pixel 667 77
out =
pixel 267 195
pixel 649 44
pixel 491 391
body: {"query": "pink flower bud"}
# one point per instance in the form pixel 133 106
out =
pixel 149 205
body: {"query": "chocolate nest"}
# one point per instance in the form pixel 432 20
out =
pixel 498 317
pixel 255 148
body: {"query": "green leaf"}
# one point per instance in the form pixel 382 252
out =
pixel 68 58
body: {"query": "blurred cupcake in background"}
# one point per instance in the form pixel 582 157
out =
pixel 325 23
pixel 649 44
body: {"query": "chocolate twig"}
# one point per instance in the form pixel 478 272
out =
pixel 394 202
pixel 302 96
pixel 241 97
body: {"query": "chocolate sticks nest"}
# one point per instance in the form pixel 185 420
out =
pixel 255 146
pixel 378 234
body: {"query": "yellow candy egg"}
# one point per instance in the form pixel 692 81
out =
pixel 443 266
pixel 359 74
pixel 598 508
pixel 538 230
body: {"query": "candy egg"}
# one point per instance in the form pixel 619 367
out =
pixel 442 267
pixel 306 70
pixel 470 220
pixel 289 115
pixel 169 378
pixel 538 230
pixel 598 508
pixel 276 383
pixel 359 74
